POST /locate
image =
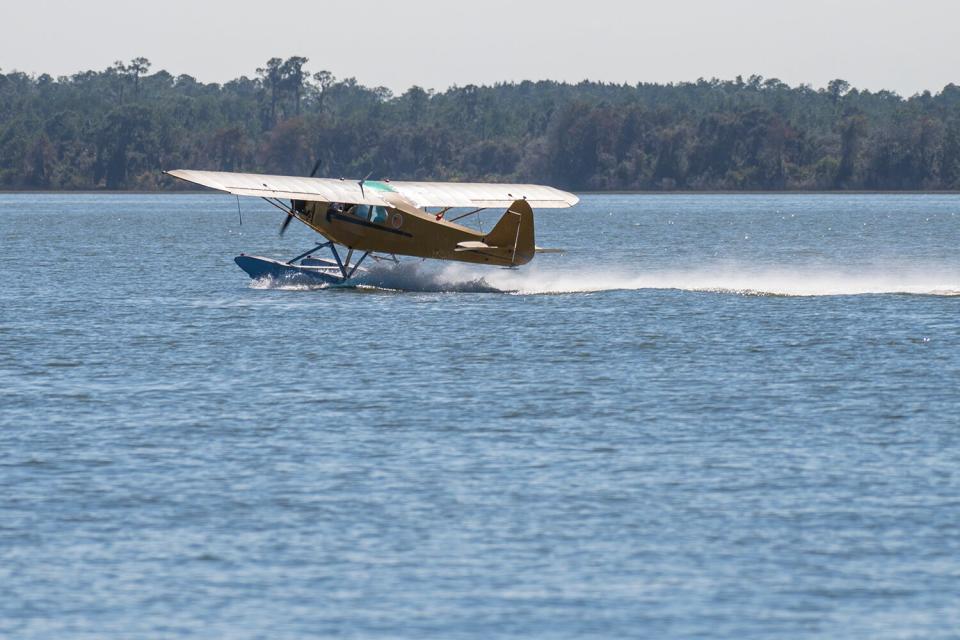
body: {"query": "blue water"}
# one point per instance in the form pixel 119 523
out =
pixel 713 417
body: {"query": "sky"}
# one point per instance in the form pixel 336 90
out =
pixel 902 46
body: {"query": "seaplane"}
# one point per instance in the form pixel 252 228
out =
pixel 382 220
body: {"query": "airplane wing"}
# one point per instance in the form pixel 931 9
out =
pixel 283 187
pixel 474 194
pixel 374 192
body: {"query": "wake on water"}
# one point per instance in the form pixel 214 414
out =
pixel 428 278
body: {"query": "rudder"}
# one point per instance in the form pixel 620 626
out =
pixel 513 233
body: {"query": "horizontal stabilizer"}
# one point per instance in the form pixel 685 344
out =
pixel 473 245
pixel 542 250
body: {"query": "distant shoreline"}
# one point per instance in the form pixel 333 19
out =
pixel 116 129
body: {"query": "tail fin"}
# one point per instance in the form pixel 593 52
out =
pixel 514 233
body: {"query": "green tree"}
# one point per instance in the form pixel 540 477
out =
pixel 324 80
pixel 271 77
pixel 137 68
pixel 292 79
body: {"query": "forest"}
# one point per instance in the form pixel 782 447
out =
pixel 121 127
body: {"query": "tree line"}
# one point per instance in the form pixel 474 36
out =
pixel 121 127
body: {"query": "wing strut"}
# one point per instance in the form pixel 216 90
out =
pixel 467 214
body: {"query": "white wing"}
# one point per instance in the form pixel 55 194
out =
pixel 421 194
pixel 475 194
pixel 283 187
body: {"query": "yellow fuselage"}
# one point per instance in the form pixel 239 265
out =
pixel 413 232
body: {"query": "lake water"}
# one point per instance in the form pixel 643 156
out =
pixel 715 416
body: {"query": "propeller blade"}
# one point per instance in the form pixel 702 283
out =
pixel 286 223
pixel 362 194
pixel 316 167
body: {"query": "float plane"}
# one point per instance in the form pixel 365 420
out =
pixel 384 219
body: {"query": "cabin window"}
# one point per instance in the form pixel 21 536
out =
pixel 362 211
pixel 378 215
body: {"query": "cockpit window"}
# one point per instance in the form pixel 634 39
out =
pixel 362 211
pixel 378 215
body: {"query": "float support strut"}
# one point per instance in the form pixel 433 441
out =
pixel 306 253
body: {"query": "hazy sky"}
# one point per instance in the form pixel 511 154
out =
pixel 903 46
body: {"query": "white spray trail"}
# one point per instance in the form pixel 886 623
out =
pixel 428 277
pixel 776 282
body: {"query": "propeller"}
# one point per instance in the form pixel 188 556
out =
pixel 361 184
pixel 286 223
pixel 293 203
pixel 316 167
